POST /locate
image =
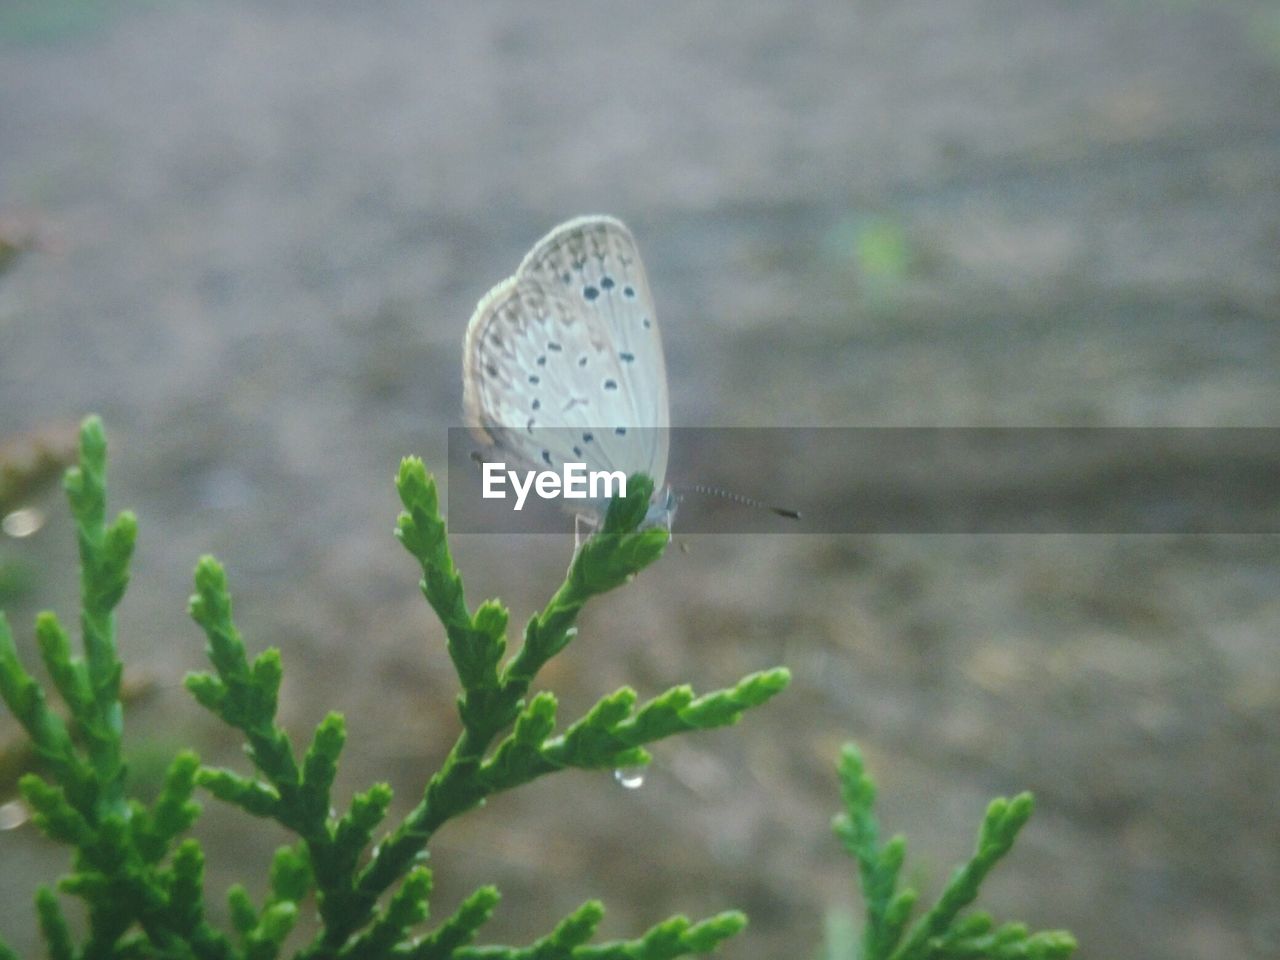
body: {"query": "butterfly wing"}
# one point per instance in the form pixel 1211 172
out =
pixel 571 342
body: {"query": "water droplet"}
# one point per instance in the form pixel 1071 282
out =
pixel 630 777
pixel 13 815
pixel 22 522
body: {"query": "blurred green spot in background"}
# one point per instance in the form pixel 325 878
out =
pixel 880 253
pixel 44 21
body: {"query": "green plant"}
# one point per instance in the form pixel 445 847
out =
pixel 941 933
pixel 142 880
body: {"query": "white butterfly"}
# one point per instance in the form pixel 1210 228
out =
pixel 563 361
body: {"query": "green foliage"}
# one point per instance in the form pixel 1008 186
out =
pixel 24 22
pixel 143 883
pixel 941 933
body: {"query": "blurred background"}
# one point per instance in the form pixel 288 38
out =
pixel 250 235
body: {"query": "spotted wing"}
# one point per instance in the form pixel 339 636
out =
pixel 563 361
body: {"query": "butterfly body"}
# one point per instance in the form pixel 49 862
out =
pixel 563 361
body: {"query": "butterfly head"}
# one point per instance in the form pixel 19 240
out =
pixel 662 509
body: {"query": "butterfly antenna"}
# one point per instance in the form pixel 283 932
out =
pixel 707 491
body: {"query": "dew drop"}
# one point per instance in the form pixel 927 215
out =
pixel 632 778
pixel 13 815
pixel 22 522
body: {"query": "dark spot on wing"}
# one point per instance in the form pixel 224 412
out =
pixel 577 451
pixel 554 347
pixel 589 292
pixel 491 370
pixel 628 291
pixel 582 360
pixel 534 378
pixel 606 282
pixel 546 457
pixel 537 404
pixel 529 426
pixel 646 322
pixel 611 384
pixel 626 357
pixel 620 431
pixel 588 437
pixel 542 360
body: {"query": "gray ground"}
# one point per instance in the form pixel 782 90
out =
pixel 263 226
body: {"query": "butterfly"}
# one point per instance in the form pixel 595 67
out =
pixel 563 362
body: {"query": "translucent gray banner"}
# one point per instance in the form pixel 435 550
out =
pixel 892 480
